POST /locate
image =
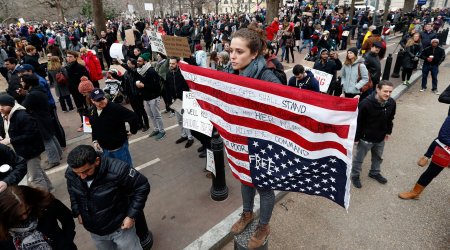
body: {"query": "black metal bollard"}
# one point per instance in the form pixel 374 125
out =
pixel 219 189
pixel 443 41
pixel 398 64
pixel 387 67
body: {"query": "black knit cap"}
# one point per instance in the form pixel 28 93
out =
pixel 7 100
pixel 354 50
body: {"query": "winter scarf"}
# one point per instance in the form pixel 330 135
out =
pixel 26 237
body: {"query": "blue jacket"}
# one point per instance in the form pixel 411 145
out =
pixel 309 82
pixel 444 132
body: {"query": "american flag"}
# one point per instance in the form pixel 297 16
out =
pixel 279 137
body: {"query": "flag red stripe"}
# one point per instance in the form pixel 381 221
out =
pixel 242 181
pixel 237 155
pixel 239 168
pixel 305 96
pixel 255 124
pixel 302 120
pixel 231 137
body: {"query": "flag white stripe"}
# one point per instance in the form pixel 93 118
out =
pixel 285 124
pixel 243 164
pixel 319 114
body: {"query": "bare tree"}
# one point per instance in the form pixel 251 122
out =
pixel 408 5
pixel 272 10
pixel 387 6
pixel 99 16
pixel 57 4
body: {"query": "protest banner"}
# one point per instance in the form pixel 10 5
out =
pixel 193 116
pixel 323 78
pixel 156 42
pixel 129 37
pixel 148 6
pixel 116 51
pixel 176 46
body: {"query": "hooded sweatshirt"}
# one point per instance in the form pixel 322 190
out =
pixel 308 82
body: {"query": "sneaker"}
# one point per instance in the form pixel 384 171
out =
pixel 160 135
pixel 181 139
pixel 405 83
pixel 239 226
pixel 189 143
pixel 356 182
pixel 259 237
pixel 379 178
pixel 436 92
pixel 422 90
pixel 172 114
pixel 423 161
pixel 145 128
pixel 154 133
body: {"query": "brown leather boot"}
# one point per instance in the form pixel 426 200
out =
pixel 423 161
pixel 413 194
pixel 259 237
pixel 242 223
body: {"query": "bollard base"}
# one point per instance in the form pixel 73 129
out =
pixel 219 194
pixel 241 240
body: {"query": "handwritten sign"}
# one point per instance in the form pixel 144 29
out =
pixel 323 78
pixel 345 33
pixel 194 117
pixel 116 51
pixel 176 46
pixel 157 42
pixel 148 6
pixel 129 37
pixel 210 164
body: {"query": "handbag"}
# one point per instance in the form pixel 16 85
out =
pixel 368 85
pixel 440 157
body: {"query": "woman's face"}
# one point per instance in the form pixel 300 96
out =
pixel 350 55
pixel 416 37
pixel 220 59
pixel 240 54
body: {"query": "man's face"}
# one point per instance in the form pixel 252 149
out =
pixel 384 93
pixel 300 76
pixel 427 27
pixel 100 103
pixel 434 44
pixel 87 171
pixel 324 55
pixel 10 66
pixel 173 64
pixel 103 34
pixel 70 58
pixel 5 109
pixel 375 49
pixel 140 62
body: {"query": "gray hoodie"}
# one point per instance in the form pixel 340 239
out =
pixel 350 83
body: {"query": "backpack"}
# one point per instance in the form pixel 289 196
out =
pixel 280 74
pixel 61 79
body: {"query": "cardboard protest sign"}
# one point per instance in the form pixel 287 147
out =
pixel 176 46
pixel 193 116
pixel 345 33
pixel 323 78
pixel 129 37
pixel 116 51
pixel 157 42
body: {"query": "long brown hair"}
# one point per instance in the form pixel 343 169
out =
pixel 348 61
pixel 13 198
pixel 54 63
pixel 411 41
pixel 255 38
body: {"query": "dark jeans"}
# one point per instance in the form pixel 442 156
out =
pixel 291 49
pixel 432 171
pixel 137 104
pixel 406 73
pixel 344 43
pixel 59 130
pixel 65 101
pixel 434 69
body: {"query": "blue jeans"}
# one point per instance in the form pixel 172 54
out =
pixel 121 153
pixel 120 239
pixel 267 202
pixel 434 69
pixel 361 151
pixel 306 42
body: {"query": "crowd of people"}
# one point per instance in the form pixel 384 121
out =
pixel 107 194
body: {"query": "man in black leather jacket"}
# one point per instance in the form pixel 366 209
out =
pixel 12 167
pixel 106 196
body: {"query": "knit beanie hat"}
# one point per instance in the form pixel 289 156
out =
pixel 354 50
pixel 7 100
pixel 85 85
pixel 145 56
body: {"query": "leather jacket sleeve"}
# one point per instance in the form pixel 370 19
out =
pixel 17 163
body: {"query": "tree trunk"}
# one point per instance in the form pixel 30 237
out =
pixel 60 11
pixel 387 6
pixel 352 14
pixel 99 16
pixel 272 10
pixel 408 5
pixel 199 9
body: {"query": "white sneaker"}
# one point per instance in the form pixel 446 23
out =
pixel 436 92
pixel 422 90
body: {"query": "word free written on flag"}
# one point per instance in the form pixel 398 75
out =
pixel 279 137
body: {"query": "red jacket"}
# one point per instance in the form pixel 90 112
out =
pixel 272 30
pixel 93 66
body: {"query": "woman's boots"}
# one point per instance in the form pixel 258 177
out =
pixel 413 194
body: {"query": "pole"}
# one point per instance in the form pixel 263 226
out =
pixel 219 189
pixel 387 67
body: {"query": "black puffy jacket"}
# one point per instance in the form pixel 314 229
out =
pixel 116 192
pixel 375 120
pixel 24 133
